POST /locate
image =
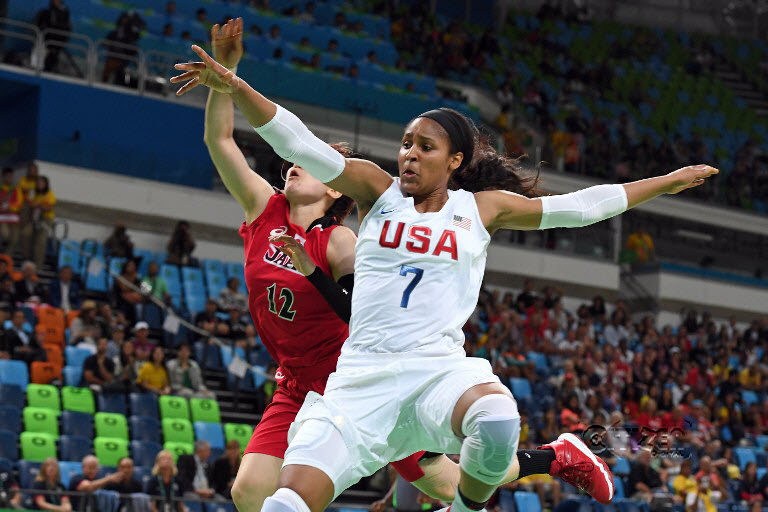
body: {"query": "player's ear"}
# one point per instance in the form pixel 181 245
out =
pixel 335 194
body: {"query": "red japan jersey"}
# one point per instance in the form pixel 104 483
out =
pixel 298 328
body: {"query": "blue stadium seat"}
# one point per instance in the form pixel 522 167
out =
pixel 153 315
pixel 761 473
pixel 145 428
pixel 68 470
pixel 144 452
pixel 539 360
pixel 749 397
pixel 145 257
pixel 30 316
pixel 521 388
pixel 192 278
pixel 236 269
pixel 214 266
pixel 76 356
pixel 144 404
pixel 762 441
pixel 195 301
pixel 14 372
pixel 12 394
pixel 69 254
pixel 74 423
pixel 9 448
pixel 215 282
pixel 91 247
pixel 171 275
pixel 112 402
pixel 259 375
pixel 26 326
pixel 115 268
pixel 744 456
pixel 194 506
pixel 210 432
pixel 210 358
pixel 74 447
pixel 621 467
pixel 10 418
pixel 73 375
pixel 143 474
pixel 527 501
pixel 224 506
pixel 96 274
pixel 6 465
pixel 27 473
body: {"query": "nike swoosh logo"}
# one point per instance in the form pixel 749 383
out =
pixel 383 212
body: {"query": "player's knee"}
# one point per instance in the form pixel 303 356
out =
pixel 492 427
pixel 251 489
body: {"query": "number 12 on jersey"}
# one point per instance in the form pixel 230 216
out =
pixel 417 273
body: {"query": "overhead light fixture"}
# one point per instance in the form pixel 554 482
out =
pixel 694 235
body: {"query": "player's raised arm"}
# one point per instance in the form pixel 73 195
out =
pixel 500 209
pixel 249 189
pixel 362 180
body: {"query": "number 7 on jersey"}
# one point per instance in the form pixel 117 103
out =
pixel 418 272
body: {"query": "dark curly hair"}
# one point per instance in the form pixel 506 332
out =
pixel 487 169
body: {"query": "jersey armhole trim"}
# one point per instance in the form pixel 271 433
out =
pixel 377 204
pixel 270 204
pixel 479 217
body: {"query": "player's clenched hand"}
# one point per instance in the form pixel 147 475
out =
pixel 209 73
pixel 227 42
pixel 689 177
pixel 299 256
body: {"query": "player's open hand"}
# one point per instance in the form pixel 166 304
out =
pixel 689 177
pixel 227 42
pixel 291 247
pixel 209 73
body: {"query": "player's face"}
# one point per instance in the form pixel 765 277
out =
pixel 301 187
pixel 425 160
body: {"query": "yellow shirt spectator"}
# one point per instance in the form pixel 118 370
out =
pixel 153 376
pixel 46 203
pixel 749 381
pixel 682 485
pixel 27 184
pixel 641 244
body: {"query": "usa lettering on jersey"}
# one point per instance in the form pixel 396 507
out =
pixel 419 240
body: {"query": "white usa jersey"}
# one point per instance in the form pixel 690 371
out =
pixel 417 275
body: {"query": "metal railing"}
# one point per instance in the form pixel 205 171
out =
pixel 79 56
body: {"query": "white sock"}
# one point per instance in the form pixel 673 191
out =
pixel 285 500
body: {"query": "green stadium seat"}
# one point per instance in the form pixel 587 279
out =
pixel 240 432
pixel 37 419
pixel 78 399
pixel 177 449
pixel 205 410
pixel 37 446
pixel 174 407
pixel 178 430
pixel 43 395
pixel 110 450
pixel 109 424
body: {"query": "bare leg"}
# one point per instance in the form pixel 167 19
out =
pixel 312 484
pixel 255 481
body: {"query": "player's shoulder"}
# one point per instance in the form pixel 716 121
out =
pixel 342 235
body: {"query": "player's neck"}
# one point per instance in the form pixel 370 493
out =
pixel 305 214
pixel 432 202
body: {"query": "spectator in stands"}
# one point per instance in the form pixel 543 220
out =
pixel 20 344
pixel 7 295
pixel 28 182
pixel 48 482
pixel 11 200
pixel 106 319
pixel 99 371
pixel 340 21
pixel 125 291
pixel 35 230
pixel 186 377
pixel 684 483
pixel 63 292
pixel 10 497
pixel 181 245
pixel 126 365
pixel 231 298
pixel 128 484
pixel 153 375
pixel 194 472
pixel 154 285
pixel 128 29
pixel 643 480
pixel 308 15
pixel 29 288
pixel 236 325
pixel 710 475
pixel 225 469
pixel 4 270
pixel 141 342
pixel 54 20
pixel 88 482
pixel 749 490
pixel 119 244
pixel 640 246
pixel 85 328
pixel 164 486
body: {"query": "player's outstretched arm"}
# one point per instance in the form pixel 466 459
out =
pixel 249 189
pixel 500 209
pixel 362 180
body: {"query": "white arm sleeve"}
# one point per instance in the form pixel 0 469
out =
pixel 292 140
pixel 583 207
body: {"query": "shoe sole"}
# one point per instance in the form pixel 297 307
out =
pixel 578 443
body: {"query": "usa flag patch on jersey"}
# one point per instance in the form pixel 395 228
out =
pixel 462 222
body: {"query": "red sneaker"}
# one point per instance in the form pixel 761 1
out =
pixel 578 466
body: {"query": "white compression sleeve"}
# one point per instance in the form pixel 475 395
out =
pixel 292 140
pixel 583 207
